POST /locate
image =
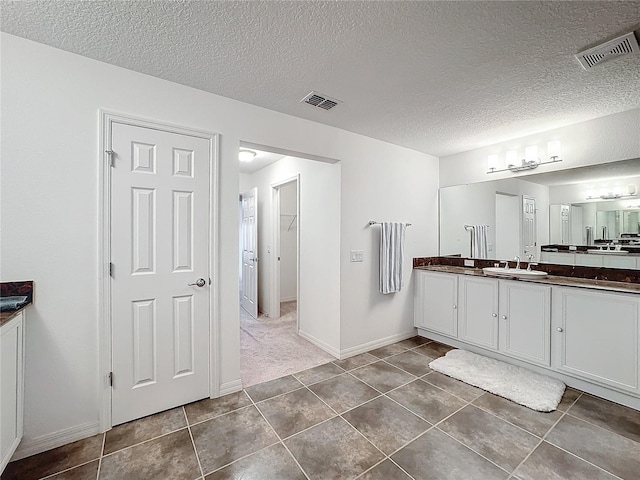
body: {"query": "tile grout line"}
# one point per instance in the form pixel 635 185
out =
pixel 566 413
pixel 280 439
pixel 51 475
pixel 145 441
pixel 104 441
pixel 542 439
pixel 474 451
pixel 193 442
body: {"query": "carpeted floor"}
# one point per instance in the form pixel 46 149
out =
pixel 270 347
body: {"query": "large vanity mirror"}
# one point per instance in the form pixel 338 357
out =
pixel 579 206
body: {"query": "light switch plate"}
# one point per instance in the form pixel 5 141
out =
pixel 357 255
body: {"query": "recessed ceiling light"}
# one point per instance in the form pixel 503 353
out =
pixel 246 155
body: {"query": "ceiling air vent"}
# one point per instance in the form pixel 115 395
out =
pixel 615 48
pixel 321 101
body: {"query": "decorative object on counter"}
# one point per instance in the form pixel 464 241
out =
pixel 14 297
pixel 530 160
pixel 391 256
pixel 13 303
pixel 537 392
pixel 478 240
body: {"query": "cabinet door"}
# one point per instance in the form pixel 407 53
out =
pixel 11 387
pixel 436 298
pixel 525 321
pixel 595 336
pixel 619 261
pixel 561 258
pixel 478 311
pixel 588 259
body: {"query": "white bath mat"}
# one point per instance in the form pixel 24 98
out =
pixel 518 384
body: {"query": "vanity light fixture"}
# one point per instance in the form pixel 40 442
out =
pixel 530 160
pixel 246 155
pixel 613 195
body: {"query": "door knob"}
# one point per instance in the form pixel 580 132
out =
pixel 494 315
pixel 200 283
pixel 504 317
pixel 559 329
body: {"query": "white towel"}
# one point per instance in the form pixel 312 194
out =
pixel 479 241
pixel 391 256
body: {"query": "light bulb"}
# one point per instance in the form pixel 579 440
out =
pixel 554 150
pixel 492 161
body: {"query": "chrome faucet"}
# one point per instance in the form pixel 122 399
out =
pixel 506 264
pixel 530 261
pixel 517 259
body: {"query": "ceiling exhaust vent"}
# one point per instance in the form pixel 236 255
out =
pixel 319 100
pixel 618 47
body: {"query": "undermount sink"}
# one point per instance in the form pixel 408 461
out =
pixel 607 252
pixel 513 272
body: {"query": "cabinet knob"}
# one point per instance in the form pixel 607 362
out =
pixel 504 317
pixel 559 329
pixel 494 315
pixel 455 306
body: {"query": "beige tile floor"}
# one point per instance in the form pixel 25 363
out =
pixel 379 415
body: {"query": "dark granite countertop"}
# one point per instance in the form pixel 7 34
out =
pixel 598 278
pixel 10 289
pixel 608 285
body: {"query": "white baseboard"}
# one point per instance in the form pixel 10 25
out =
pixel 288 299
pixel 230 387
pixel 32 446
pixel 365 347
pixel 319 343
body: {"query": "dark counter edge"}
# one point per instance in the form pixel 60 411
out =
pixel 626 279
pixel 10 289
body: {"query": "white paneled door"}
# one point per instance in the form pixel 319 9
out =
pixel 160 207
pixel 528 226
pixel 249 294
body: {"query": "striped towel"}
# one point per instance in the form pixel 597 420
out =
pixel 391 256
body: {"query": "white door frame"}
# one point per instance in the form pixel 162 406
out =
pixel 274 311
pixel 106 121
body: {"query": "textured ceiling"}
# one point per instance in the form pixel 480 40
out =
pixel 438 77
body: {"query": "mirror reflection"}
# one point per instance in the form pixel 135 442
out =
pixel 586 207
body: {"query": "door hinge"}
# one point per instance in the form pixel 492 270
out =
pixel 110 153
pixel 111 379
pixel 110 269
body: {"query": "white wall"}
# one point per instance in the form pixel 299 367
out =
pixel 383 183
pixel 602 140
pixel 289 241
pixel 50 101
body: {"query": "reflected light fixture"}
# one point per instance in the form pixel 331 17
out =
pixel 246 155
pixel 530 160
pixel 614 194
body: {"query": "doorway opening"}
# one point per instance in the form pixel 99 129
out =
pixel 273 339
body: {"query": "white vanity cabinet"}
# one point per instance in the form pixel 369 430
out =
pixel 506 316
pixel 596 336
pixel 588 260
pixel 436 302
pixel 619 261
pixel 11 386
pixel 525 321
pixel 478 311
pixel 558 257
